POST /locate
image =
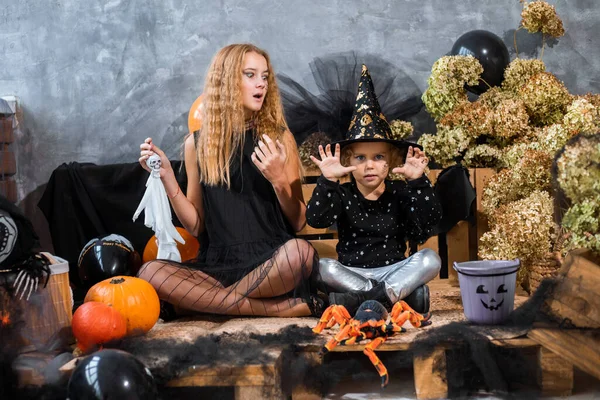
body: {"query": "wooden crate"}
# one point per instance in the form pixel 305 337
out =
pixel 576 298
pixel 8 164
pixel 251 382
pixel 260 380
pixel 555 374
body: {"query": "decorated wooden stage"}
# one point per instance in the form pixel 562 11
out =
pixel 262 373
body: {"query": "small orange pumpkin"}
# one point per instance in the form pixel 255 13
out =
pixel 133 297
pixel 187 251
pixel 95 324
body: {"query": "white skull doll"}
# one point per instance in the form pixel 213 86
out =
pixel 157 213
pixel 154 163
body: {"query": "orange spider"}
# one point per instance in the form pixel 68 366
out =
pixel 369 322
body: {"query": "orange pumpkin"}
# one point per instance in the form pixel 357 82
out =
pixel 195 115
pixel 188 251
pixel 133 297
pixel 95 324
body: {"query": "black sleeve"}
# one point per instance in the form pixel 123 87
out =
pixel 325 205
pixel 421 209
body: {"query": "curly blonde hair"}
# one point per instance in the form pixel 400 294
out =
pixel 223 124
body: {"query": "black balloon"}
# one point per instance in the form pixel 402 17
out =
pixel 491 52
pixel 111 374
pixel 103 258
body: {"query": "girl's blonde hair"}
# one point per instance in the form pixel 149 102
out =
pixel 223 125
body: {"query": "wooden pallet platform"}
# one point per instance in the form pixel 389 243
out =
pixel 262 379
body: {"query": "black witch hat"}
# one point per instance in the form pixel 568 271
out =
pixel 336 77
pixel 368 123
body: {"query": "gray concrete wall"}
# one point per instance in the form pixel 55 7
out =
pixel 94 78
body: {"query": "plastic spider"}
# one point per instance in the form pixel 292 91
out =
pixel 370 322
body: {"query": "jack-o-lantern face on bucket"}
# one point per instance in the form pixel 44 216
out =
pixel 494 300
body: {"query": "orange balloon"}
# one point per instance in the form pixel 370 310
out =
pixel 195 115
pixel 188 251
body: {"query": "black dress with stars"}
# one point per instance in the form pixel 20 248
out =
pixel 373 233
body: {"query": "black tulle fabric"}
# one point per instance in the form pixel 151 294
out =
pixel 336 77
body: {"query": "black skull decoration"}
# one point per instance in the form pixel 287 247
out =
pixel 8 235
pixel 494 301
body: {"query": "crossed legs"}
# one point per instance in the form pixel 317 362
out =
pixel 261 292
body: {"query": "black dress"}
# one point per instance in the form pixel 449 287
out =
pixel 244 224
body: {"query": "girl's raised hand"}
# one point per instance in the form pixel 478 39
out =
pixel 269 157
pixel 146 150
pixel 330 165
pixel 414 165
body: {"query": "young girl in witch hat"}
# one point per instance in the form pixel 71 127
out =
pixel 374 215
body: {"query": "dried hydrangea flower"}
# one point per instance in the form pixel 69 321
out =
pixel 594 99
pixel 446 84
pixel 582 224
pixel 483 156
pixel 509 119
pixel 582 117
pixel 474 118
pixel 540 16
pixel 578 168
pixel 494 96
pixel 523 229
pixel 546 99
pixel 553 137
pixel 446 146
pixel 519 71
pixel 401 129
pixel 531 173
pixel 310 146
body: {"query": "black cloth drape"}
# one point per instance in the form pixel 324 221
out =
pixel 85 201
pixel 457 196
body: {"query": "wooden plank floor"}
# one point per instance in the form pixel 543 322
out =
pixel 446 306
pixel 260 378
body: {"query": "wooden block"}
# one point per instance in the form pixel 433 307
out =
pixel 325 248
pixel 8 163
pixel 433 174
pixel 482 175
pixel 430 375
pixel 262 380
pixel 30 366
pixel 301 392
pixel 8 189
pixel 431 243
pixel 312 172
pixel 577 295
pixel 556 374
pixel 519 342
pixel 580 348
pixel 6 130
pixel 307 191
pixel 457 240
pixel 309 230
pixel 257 392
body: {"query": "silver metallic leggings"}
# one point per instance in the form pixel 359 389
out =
pixel 400 278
